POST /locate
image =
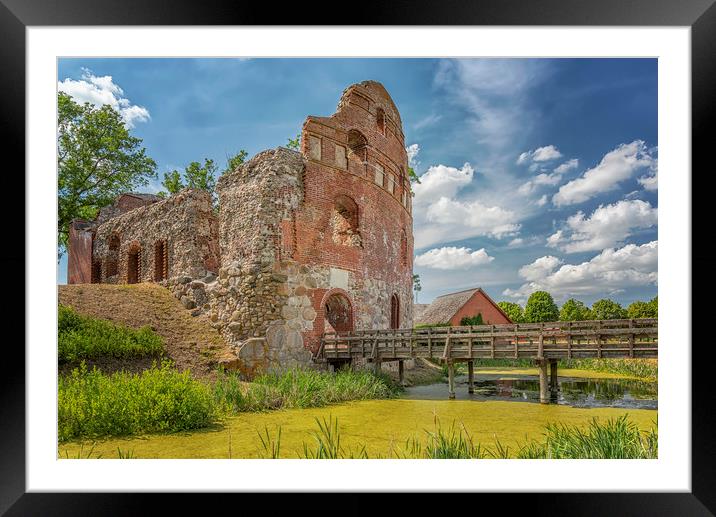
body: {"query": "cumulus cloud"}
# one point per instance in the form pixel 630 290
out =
pixel 451 257
pixel 442 214
pixel 610 271
pixel 650 181
pixel 608 226
pixel 541 201
pixel 616 166
pixel 540 268
pixel 567 166
pixel 413 150
pixel 541 154
pixel 102 90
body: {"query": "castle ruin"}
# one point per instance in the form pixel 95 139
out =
pixel 302 243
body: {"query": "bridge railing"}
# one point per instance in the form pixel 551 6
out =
pixel 587 338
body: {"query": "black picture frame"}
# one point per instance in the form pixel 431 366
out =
pixel 699 15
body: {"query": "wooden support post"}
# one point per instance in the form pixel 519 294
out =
pixel 569 340
pixel 451 380
pixel 430 344
pixel 543 385
pixel 471 376
pixel 492 341
pixel 401 375
pixel 516 354
pixel 540 349
pixel 553 378
pixel 377 365
pixel 631 340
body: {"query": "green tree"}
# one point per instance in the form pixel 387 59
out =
pixel 641 309
pixel 172 182
pixel 472 320
pixel 294 143
pixel 541 307
pixel 233 161
pixel 416 286
pixel 97 159
pixel 513 311
pixel 574 310
pixel 654 303
pixel 606 309
pixel 413 176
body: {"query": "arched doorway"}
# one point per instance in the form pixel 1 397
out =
pixel 338 314
pixel 160 261
pixel 133 264
pixel 394 312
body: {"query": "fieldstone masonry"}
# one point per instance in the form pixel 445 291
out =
pixel 303 242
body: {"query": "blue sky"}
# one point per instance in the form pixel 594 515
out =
pixel 535 173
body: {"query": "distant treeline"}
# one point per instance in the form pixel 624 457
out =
pixel 541 307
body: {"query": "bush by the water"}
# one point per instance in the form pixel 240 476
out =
pixel 299 388
pixel 92 404
pixel 83 337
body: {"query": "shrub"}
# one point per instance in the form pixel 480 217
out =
pixel 83 337
pixel 299 388
pixel 472 320
pixel 92 404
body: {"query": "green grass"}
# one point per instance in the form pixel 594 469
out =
pixel 299 388
pixel 83 337
pixel 160 399
pixel 617 438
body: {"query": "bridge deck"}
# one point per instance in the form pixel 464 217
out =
pixel 632 338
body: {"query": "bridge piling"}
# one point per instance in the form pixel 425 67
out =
pixel 471 377
pixel 401 375
pixel 543 385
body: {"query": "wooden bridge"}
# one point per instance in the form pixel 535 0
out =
pixel 545 343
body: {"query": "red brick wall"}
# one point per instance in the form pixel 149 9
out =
pixel 479 303
pixel 79 254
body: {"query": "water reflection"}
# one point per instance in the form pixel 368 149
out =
pixel 577 392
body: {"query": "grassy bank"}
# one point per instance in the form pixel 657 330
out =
pixel 160 399
pixel 84 337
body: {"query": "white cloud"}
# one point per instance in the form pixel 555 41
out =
pixel 610 271
pixel 616 166
pixel 541 154
pixel 607 226
pixel 567 166
pixel 427 121
pixel 413 150
pixel 540 268
pixel 103 90
pixel 650 181
pixel 541 201
pixel 441 181
pixel 451 257
pixel 442 216
pixel 516 243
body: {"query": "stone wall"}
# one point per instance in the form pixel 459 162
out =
pixel 184 222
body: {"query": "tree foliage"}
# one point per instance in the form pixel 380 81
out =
pixel 513 311
pixel 294 143
pixel 574 310
pixel 606 309
pixel 97 159
pixel 233 161
pixel 541 307
pixel 641 309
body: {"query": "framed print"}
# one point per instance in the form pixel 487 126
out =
pixel 431 237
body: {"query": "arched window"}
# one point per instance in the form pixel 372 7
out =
pixel 394 312
pixel 358 144
pixel 111 267
pixel 380 121
pixel 134 261
pixel 344 222
pixel 160 260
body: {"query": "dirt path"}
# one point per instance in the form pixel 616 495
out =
pixel 191 342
